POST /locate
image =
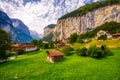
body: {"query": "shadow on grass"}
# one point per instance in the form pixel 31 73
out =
pixel 33 53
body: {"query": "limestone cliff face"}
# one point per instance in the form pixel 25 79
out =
pixel 48 32
pixel 93 19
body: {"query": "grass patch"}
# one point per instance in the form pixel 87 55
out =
pixel 108 43
pixel 34 66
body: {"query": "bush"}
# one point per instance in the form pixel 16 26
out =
pixel 73 38
pixel 102 37
pixel 106 50
pixel 94 51
pixel 91 50
pixel 20 52
pixel 10 54
pixel 82 52
pixel 67 50
pixel 45 46
pixel 98 53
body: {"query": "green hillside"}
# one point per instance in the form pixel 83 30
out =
pixel 111 27
pixel 51 26
pixel 89 7
pixel 34 66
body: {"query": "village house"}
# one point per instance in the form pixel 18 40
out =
pixel 59 45
pixel 54 56
pixel 64 40
pixel 29 48
pixel 25 47
pixel 102 32
pixel 116 36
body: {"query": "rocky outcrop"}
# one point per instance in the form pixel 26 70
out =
pixel 66 27
pixel 48 32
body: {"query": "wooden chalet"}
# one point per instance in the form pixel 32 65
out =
pixel 102 32
pixel 54 56
pixel 16 47
pixel 25 47
pixel 116 36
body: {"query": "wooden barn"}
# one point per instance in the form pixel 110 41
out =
pixel 54 56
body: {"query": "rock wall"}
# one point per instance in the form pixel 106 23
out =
pixel 48 33
pixel 93 19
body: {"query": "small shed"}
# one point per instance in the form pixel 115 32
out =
pixel 54 56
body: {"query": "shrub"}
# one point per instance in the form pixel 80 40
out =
pixel 10 54
pixel 45 46
pixel 94 51
pixel 98 53
pixel 102 37
pixel 20 52
pixel 82 52
pixel 67 50
pixel 73 38
pixel 91 50
pixel 106 50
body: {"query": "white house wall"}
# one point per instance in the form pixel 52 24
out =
pixel 31 49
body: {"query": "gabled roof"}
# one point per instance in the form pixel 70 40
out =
pixel 118 34
pixel 54 53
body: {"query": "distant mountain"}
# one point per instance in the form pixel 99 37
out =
pixel 15 27
pixel 19 25
pixel 23 33
pixel 35 35
pixel 6 24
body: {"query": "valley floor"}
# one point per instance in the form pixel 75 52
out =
pixel 34 66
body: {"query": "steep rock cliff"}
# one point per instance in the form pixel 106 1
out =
pixel 81 24
pixel 48 32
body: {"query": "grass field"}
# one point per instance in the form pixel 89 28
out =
pixel 109 43
pixel 34 66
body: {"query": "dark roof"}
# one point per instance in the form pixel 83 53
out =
pixel 22 45
pixel 118 34
pixel 54 53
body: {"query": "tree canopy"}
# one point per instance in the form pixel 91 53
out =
pixel 5 41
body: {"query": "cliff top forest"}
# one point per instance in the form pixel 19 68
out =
pixel 89 7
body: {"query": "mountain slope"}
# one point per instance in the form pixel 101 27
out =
pixel 35 35
pixel 15 27
pixel 23 33
pixel 6 24
pixel 89 7
pixel 48 32
pixel 39 13
pixel 81 23
pixel 110 27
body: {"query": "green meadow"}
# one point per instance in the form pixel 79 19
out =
pixel 34 66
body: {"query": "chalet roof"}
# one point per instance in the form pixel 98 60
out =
pixel 21 45
pixel 28 45
pixel 118 34
pixel 16 45
pixel 54 53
